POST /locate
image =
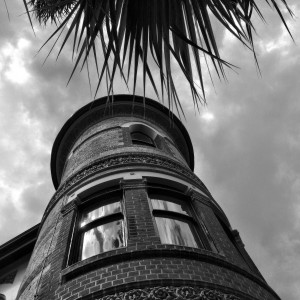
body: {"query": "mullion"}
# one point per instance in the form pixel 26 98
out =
pixel 173 215
pixel 101 221
pixel 198 234
pixel 93 203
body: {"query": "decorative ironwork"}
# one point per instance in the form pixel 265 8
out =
pixel 127 159
pixel 171 293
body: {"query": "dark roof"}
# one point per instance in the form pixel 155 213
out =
pixel 116 99
pixel 19 246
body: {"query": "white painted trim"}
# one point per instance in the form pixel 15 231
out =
pixel 104 182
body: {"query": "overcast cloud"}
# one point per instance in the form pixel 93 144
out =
pixel 246 140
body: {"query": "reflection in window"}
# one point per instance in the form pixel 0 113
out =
pixel 100 212
pixel 101 229
pixel 170 205
pixel 176 223
pixel 140 138
pixel 103 238
pixel 175 232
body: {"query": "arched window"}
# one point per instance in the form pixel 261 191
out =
pixel 141 138
pixel 142 134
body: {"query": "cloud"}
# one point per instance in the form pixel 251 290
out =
pixel 246 140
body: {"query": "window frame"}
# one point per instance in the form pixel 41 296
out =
pixel 140 142
pixel 195 223
pixel 89 204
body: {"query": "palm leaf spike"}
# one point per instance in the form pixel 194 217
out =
pixel 133 31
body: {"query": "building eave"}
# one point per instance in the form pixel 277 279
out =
pixel 19 246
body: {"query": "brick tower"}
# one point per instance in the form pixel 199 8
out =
pixel 130 220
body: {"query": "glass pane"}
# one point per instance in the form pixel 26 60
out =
pixel 100 212
pixel 207 234
pixel 170 206
pixel 175 232
pixel 103 238
pixel 141 137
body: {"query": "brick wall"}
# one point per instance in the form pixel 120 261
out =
pixel 108 137
pixel 143 259
pixel 56 273
pixel 162 271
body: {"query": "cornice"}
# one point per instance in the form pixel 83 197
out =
pixel 126 160
pixel 117 100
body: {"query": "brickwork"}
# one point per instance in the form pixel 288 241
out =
pixel 106 136
pixel 173 150
pixel 45 244
pixel 141 231
pixel 99 145
pixel 88 151
pixel 219 236
pixel 32 288
pixel 154 117
pixel 163 269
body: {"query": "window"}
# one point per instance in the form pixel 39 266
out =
pixel 141 138
pixel 101 227
pixel 176 223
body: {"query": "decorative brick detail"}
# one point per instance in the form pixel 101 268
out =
pixel 170 293
pixel 123 160
pixel 122 113
pixel 96 152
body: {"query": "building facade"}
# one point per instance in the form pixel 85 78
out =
pixel 130 219
pixel 14 258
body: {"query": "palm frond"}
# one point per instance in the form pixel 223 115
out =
pixel 144 32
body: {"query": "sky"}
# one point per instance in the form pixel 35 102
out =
pixel 246 139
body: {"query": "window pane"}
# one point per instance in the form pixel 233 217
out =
pixel 103 238
pixel 139 137
pixel 209 238
pixel 100 212
pixel 170 206
pixel 175 232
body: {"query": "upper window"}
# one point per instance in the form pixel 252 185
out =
pixel 141 138
pixel 176 222
pixel 101 228
pixel 142 134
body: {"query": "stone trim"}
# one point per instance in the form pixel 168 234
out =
pixel 131 184
pixel 171 293
pixel 123 160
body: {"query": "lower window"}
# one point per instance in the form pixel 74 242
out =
pixel 101 228
pixel 172 231
pixel 176 222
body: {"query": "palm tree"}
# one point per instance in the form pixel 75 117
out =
pixel 129 33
